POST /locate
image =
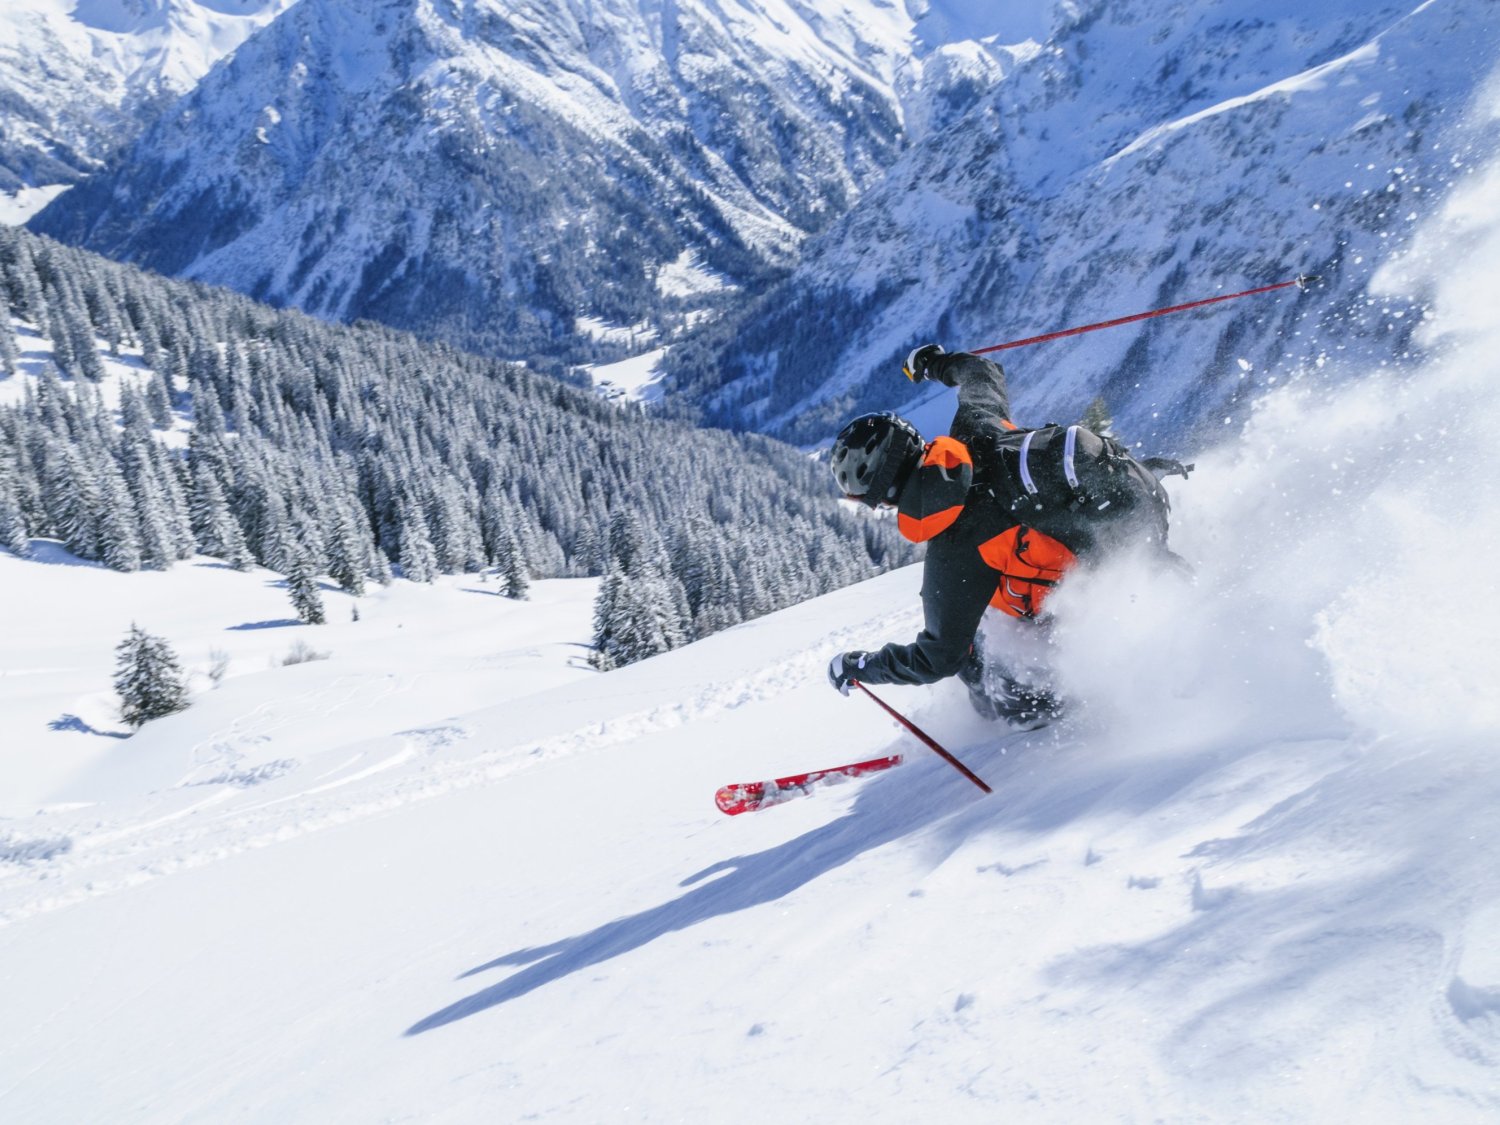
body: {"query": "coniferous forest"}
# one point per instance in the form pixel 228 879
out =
pixel 359 452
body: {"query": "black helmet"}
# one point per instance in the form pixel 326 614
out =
pixel 872 457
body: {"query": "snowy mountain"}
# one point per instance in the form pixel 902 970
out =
pixel 80 78
pixel 430 865
pixel 1148 154
pixel 447 873
pixel 444 874
pixel 505 175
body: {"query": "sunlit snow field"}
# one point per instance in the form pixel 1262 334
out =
pixel 1254 876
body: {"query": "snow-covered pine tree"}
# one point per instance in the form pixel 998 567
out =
pixel 10 355
pixel 71 499
pixel 637 615
pixel 630 547
pixel 302 587
pixel 13 536
pixel 208 415
pixel 135 419
pixel 214 525
pixel 119 529
pixel 418 560
pixel 606 618
pixel 23 279
pixel 276 546
pixel 153 517
pixel 76 323
pixel 346 552
pixel 159 401
pixel 57 331
pixel 516 583
pixel 148 678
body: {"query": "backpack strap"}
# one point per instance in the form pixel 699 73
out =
pixel 1167 467
pixel 1026 482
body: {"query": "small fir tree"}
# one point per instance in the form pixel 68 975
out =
pixel 159 401
pixel 10 355
pixel 345 551
pixel 418 559
pixel 148 678
pixel 515 582
pixel 303 589
pixel 13 536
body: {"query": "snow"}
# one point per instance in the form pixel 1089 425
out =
pixel 636 379
pixel 34 353
pixel 18 206
pixel 170 42
pixel 594 328
pixel 941 22
pixel 62 735
pixel 1311 81
pixel 685 276
pixel 449 873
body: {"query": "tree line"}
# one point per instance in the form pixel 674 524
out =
pixel 359 453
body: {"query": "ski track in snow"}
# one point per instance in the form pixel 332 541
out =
pixel 105 859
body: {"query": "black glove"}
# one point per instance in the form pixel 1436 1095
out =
pixel 844 670
pixel 917 363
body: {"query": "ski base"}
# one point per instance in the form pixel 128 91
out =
pixel 751 796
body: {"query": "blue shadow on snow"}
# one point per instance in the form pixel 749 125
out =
pixel 882 812
pixel 73 722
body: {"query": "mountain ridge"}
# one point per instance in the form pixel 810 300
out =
pixel 1303 145
pixel 524 167
pixel 78 80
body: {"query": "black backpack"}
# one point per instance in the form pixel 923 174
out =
pixel 1084 490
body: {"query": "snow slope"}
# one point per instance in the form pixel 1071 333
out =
pixel 1254 877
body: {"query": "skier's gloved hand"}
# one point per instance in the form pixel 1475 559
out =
pixel 844 670
pixel 919 360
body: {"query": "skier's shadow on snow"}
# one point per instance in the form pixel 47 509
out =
pixel 1049 783
pixel 882 812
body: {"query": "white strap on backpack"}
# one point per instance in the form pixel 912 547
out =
pixel 1026 481
pixel 1070 446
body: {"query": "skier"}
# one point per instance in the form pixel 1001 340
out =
pixel 1005 513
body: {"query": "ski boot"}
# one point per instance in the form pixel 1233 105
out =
pixel 1025 707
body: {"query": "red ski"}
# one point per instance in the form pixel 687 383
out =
pixel 752 795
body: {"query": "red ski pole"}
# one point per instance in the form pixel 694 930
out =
pixel 925 738
pixel 1301 281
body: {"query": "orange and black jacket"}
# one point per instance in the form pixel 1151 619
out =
pixel 978 555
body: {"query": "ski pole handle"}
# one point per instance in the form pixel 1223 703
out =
pixel 925 738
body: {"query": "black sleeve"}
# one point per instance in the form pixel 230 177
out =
pixel 983 401
pixel 956 588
